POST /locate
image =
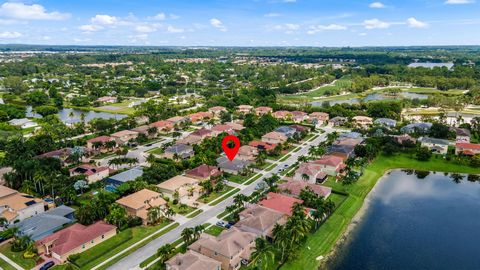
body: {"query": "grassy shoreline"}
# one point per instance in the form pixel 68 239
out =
pixel 324 241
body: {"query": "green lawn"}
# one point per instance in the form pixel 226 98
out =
pixel 275 158
pixel 181 209
pixel 335 89
pixel 253 179
pixel 323 241
pixel 212 196
pixel 121 241
pixel 214 230
pixel 285 157
pixel 228 194
pixel 195 213
pixel 239 179
pixel 6 266
pixel 17 257
pixel 156 151
pixel 269 168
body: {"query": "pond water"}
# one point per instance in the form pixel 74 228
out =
pixel 373 97
pixel 72 116
pixel 416 220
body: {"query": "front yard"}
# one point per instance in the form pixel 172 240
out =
pixel 214 195
pixel 181 209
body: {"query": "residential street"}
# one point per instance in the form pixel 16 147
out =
pixel 209 213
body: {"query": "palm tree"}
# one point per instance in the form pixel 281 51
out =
pixel 164 252
pixel 197 231
pixel 169 213
pixel 239 199
pixel 187 235
pixel 305 177
pixel 154 215
pixel 263 254
pixel 281 239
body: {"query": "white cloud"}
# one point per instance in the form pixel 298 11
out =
pixel 172 29
pixel 9 34
pixel 459 2
pixel 160 16
pixel 22 11
pixel 375 24
pixel 218 24
pixel 90 28
pixel 414 23
pixel 103 19
pixel 286 26
pixel 331 27
pixel 271 15
pixel 377 5
pixel 145 29
pixel 174 16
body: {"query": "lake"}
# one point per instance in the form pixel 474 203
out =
pixel 72 116
pixel 416 220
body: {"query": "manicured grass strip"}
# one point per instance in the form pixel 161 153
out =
pixel 237 178
pixel 156 151
pixel 5 265
pixel 195 213
pixel 17 257
pixel 285 157
pixel 214 195
pixel 269 168
pixel 254 179
pixel 229 194
pixel 181 209
pixel 274 158
pixel 214 230
pixel 324 239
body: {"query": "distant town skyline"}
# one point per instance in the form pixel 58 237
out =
pixel 332 23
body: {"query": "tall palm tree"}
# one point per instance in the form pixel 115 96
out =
pixel 164 252
pixel 154 215
pixel 187 235
pixel 263 254
pixel 197 231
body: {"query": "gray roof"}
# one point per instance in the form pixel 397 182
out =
pixel 350 135
pixel 416 126
pixel 287 131
pixel 347 149
pixel 45 223
pixel 434 141
pixel 234 165
pixel 129 175
pixel 179 148
pixel 386 121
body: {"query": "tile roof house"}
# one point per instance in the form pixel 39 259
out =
pixel 279 203
pixel 16 206
pixel 102 140
pixel 259 220
pixel 401 139
pixel 282 115
pixel 423 128
pixel 46 223
pixel 177 119
pixel 199 116
pixel 62 154
pixel 294 188
pixel 196 137
pixel 263 146
pixel 229 248
pixel 274 138
pixel 75 239
pixel 192 260
pixel 439 146
pixel 217 110
pixel 138 203
pixel 462 134
pixel 244 108
pixel 186 188
pixel 337 121
pixel 362 121
pixel 470 149
pixel 286 130
pixel 162 126
pixel 237 127
pixel 350 135
pixel 183 151
pixel 343 151
pixel 387 122
pixel 203 172
pixel 300 128
pixel 144 130
pixel 318 118
pixel 92 174
pixel 234 167
pixel 263 110
pixel 124 136
pixel 126 176
pixel 107 99
pixel 221 128
pixel 331 165
pixel 309 172
pixel 247 152
pixel 299 116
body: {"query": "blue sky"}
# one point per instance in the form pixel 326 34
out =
pixel 241 22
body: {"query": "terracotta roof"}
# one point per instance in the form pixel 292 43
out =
pixel 176 119
pixel 222 128
pixel 87 169
pixel 100 139
pixel 123 133
pixel 176 182
pixel 229 243
pixel 320 115
pixel 275 135
pixel 162 124
pixel 217 109
pixel 74 236
pixel 64 152
pixel 280 203
pixel 235 126
pixel 256 218
pixel 310 169
pixel 142 199
pixel 329 160
pixel 263 145
pixel 295 187
pixel 203 171
pixel 263 109
pixel 192 260
pixel 201 132
pixel 467 146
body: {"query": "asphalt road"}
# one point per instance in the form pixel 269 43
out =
pixel 133 260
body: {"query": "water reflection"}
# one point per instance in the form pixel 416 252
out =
pixel 72 116
pixel 412 223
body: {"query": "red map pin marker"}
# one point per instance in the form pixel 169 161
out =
pixel 231 152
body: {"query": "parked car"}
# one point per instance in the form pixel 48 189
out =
pixel 231 223
pixel 220 223
pixel 228 226
pixel 148 145
pixel 48 265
